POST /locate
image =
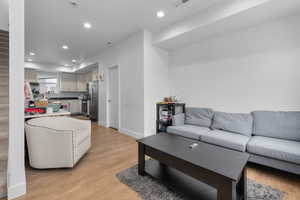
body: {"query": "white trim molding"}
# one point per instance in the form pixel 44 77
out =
pixel 131 133
pixel 15 191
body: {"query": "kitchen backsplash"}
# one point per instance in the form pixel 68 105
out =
pixel 66 94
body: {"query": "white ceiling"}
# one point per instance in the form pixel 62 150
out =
pixel 52 23
pixel 222 19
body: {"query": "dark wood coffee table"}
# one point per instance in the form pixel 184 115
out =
pixel 221 168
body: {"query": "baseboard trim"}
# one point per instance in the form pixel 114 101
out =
pixel 147 134
pixel 16 191
pixel 133 134
pixel 102 123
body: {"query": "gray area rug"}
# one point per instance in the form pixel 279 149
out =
pixel 152 189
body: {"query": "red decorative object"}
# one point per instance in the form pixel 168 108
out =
pixel 35 110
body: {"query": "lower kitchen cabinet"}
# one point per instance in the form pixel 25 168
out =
pixel 75 106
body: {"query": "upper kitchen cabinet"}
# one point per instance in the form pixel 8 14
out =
pixel 31 76
pixel 68 82
pixel 82 82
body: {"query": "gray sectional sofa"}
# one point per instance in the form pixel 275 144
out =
pixel 271 138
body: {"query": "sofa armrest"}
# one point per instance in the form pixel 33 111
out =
pixel 49 148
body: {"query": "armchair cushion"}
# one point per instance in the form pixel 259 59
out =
pixel 57 142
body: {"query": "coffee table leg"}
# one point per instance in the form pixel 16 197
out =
pixel 227 191
pixel 141 159
pixel 242 185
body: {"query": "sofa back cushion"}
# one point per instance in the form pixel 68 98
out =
pixel 282 125
pixel 178 119
pixel 233 122
pixel 199 116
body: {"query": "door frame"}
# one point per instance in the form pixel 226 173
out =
pixel 108 95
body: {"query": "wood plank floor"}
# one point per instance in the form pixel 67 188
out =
pixel 94 177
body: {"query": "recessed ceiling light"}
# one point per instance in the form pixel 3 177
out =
pixel 29 60
pixel 32 54
pixel 160 14
pixel 74 3
pixel 74 61
pixel 87 25
pixel 65 47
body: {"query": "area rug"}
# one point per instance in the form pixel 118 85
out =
pixel 152 189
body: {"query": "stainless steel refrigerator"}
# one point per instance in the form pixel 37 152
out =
pixel 93 89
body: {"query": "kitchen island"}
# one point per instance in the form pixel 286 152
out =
pixel 54 114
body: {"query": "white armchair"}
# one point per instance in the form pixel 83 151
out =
pixel 57 142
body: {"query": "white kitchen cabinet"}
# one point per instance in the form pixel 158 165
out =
pixel 31 76
pixel 72 82
pixel 68 82
pixel 75 106
pixel 81 83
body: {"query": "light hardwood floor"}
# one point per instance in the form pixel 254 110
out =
pixel 94 177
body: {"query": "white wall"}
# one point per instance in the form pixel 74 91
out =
pixel 156 83
pixel 128 56
pixel 257 68
pixel 143 71
pixel 4 15
pixel 16 167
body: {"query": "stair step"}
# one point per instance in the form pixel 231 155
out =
pixel 4 109
pixel 4 44
pixel 3 150
pixel 4 54
pixel 4 121
pixel 3 84
pixel 4 36
pixel 4 47
pixel 4 74
pixel 4 62
pixel 4 79
pixel 2 32
pixel 4 68
pixel 3 166
pixel 4 89
pixel 3 184
pixel 4 135
pixel 4 99
pixel 4 39
pixel 4 50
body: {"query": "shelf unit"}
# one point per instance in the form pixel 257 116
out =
pixel 164 113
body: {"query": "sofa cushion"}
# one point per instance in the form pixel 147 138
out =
pixel 226 139
pixel 178 119
pixel 188 131
pixel 233 122
pixel 285 150
pixel 282 125
pixel 199 116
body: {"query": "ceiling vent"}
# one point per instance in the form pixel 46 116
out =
pixel 179 3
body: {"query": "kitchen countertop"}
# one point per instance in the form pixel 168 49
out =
pixel 63 98
pixel 59 113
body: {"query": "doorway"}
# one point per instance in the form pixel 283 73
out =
pixel 113 97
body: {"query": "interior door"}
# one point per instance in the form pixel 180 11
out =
pixel 113 99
